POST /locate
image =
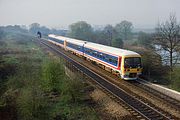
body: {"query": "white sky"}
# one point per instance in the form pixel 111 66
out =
pixel 61 13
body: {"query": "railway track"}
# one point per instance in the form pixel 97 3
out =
pixel 139 106
pixel 169 100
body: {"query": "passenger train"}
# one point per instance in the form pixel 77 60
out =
pixel 125 63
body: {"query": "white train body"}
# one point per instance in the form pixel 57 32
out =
pixel 124 62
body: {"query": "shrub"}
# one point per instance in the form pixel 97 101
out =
pixel 175 83
pixel 52 75
pixel 32 104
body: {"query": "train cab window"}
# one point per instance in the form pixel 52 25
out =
pixel 132 62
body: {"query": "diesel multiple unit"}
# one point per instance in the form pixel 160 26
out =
pixel 127 64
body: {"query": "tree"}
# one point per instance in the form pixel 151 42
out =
pixel 117 43
pixel 109 30
pixel 1 33
pixel 80 30
pixel 111 33
pixel 44 30
pixel 34 28
pixel 145 39
pixel 100 37
pixel 124 29
pixel 167 40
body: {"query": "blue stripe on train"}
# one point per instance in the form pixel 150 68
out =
pixel 113 60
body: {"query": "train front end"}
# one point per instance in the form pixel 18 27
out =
pixel 131 67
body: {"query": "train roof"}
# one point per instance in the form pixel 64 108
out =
pixel 112 50
pixel 99 47
pixel 71 40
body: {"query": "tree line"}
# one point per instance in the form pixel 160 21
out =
pixel 109 35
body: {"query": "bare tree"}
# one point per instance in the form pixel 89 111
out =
pixel 168 40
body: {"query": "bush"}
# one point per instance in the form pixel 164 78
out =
pixel 71 91
pixel 52 75
pixel 118 42
pixel 175 82
pixel 71 105
pixel 32 104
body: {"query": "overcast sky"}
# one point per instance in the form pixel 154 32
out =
pixel 61 13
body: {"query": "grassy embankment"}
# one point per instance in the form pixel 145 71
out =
pixel 34 86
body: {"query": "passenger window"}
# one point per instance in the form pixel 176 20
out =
pixel 95 53
pixel 100 55
pixel 103 57
pixel 110 60
pixel 115 61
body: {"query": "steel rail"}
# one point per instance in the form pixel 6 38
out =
pixel 142 84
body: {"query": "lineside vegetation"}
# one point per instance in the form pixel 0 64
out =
pixel 35 87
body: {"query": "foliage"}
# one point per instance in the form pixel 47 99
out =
pixel 7 69
pixel 69 111
pixel 32 78
pixel 108 36
pixel 124 30
pixel 12 29
pixel 110 31
pixel 117 43
pixel 175 83
pixel 35 27
pixel 100 37
pixel 145 39
pixel 71 105
pixel 52 75
pixel 1 33
pixel 80 30
pixel 32 104
pixel 152 64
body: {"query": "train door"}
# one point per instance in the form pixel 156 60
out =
pixel 119 65
pixel 65 44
